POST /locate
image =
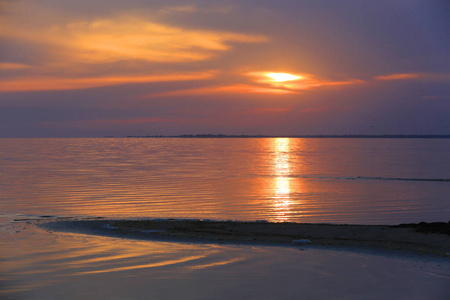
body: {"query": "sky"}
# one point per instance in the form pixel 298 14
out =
pixel 93 68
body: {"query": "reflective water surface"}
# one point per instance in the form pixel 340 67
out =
pixel 41 265
pixel 366 181
pixel 370 181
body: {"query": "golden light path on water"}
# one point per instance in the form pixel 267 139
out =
pixel 282 185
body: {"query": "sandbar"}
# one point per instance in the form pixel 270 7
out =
pixel 423 238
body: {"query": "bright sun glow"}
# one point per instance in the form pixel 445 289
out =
pixel 280 77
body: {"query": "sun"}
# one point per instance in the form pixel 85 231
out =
pixel 280 77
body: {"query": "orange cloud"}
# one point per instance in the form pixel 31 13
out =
pixel 54 83
pixel 423 76
pixel 114 40
pixel 400 76
pixel 129 38
pixel 89 47
pixel 296 82
pixel 231 89
pixel 339 83
pixel 13 66
pixel 266 85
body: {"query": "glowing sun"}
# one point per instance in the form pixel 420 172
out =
pixel 280 77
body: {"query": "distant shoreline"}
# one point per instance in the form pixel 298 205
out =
pixel 423 238
pixel 350 136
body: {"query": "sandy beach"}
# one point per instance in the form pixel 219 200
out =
pixel 423 238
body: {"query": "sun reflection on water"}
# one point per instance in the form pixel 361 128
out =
pixel 282 185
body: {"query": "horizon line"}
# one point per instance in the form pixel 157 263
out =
pixel 289 136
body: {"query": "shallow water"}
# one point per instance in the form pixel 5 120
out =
pixel 366 181
pixel 75 266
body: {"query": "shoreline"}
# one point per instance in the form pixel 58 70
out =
pixel 420 238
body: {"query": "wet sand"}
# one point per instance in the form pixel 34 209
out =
pixel 424 238
pixel 74 258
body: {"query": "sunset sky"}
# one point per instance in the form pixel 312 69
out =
pixel 91 68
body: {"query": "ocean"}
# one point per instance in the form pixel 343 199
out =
pixel 357 181
pixel 314 180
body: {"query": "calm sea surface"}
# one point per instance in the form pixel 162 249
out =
pixel 365 181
